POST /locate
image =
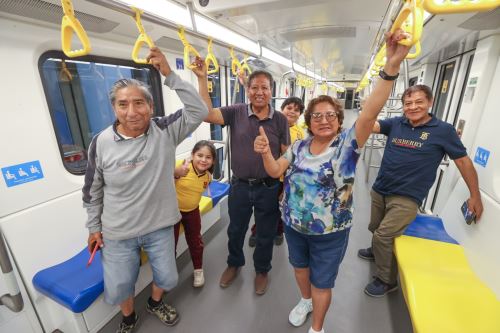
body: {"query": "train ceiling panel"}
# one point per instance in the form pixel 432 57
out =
pixel 338 33
pixel 50 12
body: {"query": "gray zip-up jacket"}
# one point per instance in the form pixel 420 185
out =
pixel 129 186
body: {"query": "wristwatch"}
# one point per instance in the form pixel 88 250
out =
pixel 386 76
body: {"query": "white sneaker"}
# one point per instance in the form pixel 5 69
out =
pixel 198 278
pixel 313 331
pixel 299 313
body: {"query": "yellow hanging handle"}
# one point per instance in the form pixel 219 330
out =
pixel 245 66
pixel 460 6
pixel 416 53
pixel 69 25
pixel 211 59
pixel 235 63
pixel 188 49
pixel 411 20
pixel 143 38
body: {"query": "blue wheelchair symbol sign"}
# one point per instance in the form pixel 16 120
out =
pixel 22 173
pixel 481 156
pixel 179 63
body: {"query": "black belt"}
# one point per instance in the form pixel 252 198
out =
pixel 258 181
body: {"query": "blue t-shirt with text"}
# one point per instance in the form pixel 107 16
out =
pixel 413 154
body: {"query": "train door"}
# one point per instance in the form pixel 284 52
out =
pixel 452 76
pixel 349 98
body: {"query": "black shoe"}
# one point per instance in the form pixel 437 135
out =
pixel 124 328
pixel 366 254
pixel 252 240
pixel 378 288
pixel 278 240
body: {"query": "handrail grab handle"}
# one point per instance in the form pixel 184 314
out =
pixel 143 38
pixel 70 25
pixel 463 6
pixel 413 7
pixel 13 300
pixel 188 49
pixel 211 59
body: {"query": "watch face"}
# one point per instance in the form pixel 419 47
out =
pixel 204 3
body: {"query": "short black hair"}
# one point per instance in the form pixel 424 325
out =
pixel 259 73
pixel 293 100
pixel 418 87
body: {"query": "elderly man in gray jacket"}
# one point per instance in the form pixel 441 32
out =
pixel 129 190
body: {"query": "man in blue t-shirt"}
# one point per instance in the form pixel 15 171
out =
pixel 416 144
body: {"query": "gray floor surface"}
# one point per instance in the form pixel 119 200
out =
pixel 238 309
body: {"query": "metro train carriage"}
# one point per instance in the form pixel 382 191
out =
pixel 59 59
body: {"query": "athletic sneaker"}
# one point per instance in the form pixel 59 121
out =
pixel 166 313
pixel 299 313
pixel 198 278
pixel 378 288
pixel 124 328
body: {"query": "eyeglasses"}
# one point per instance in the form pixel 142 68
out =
pixel 317 116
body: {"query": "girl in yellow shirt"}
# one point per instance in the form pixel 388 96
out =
pixel 191 180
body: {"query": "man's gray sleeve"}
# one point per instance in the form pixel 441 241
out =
pixel 93 190
pixel 183 122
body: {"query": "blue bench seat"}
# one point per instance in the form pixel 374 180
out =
pixel 71 283
pixel 429 227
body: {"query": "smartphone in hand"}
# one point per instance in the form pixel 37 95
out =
pixel 468 215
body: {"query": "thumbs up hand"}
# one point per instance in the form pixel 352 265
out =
pixel 261 143
pixel 182 170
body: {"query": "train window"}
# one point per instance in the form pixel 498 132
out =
pixel 77 95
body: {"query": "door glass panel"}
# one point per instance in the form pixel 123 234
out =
pixel 444 88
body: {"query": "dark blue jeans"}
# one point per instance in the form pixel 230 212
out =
pixel 262 200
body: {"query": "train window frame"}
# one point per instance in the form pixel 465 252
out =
pixel 154 82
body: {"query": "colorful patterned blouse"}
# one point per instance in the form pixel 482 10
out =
pixel 318 188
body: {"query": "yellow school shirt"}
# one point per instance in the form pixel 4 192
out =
pixel 190 188
pixel 296 133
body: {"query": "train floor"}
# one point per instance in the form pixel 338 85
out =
pixel 237 308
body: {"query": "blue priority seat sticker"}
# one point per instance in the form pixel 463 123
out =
pixel 22 173
pixel 482 156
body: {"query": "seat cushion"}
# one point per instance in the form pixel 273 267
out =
pixel 429 227
pixel 71 283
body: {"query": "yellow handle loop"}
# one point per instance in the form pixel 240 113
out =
pixel 245 66
pixel 411 24
pixel 143 38
pixel 461 6
pixel 188 49
pixel 211 59
pixel 70 25
pixel 416 53
pixel 235 63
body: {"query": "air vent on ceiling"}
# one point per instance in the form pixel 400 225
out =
pixel 171 44
pixel 483 21
pixel 48 12
pixel 295 35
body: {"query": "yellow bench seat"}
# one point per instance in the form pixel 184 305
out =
pixel 443 294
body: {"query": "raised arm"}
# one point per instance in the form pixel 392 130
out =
pixel 274 168
pixel 214 114
pixel 396 53
pixel 183 122
pixel 466 168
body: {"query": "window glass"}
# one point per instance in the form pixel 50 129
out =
pixel 214 90
pixel 77 95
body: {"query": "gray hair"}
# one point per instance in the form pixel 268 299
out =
pixel 124 83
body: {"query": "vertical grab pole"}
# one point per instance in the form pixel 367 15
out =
pixel 13 300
